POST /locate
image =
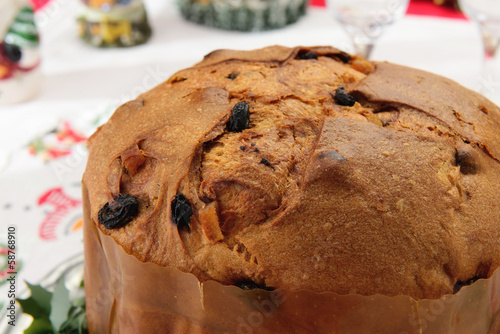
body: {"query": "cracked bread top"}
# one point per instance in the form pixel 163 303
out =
pixel 397 194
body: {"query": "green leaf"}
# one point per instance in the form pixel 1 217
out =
pixel 60 305
pixel 76 322
pixel 54 312
pixel 40 326
pixel 41 296
pixel 38 305
pixel 31 307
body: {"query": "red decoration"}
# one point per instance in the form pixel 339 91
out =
pixel 426 7
pixel 62 204
pixel 69 134
pixel 38 4
pixel 418 7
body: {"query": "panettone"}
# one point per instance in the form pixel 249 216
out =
pixel 303 169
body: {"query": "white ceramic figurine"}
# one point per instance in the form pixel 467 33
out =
pixel 20 75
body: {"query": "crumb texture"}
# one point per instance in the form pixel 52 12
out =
pixel 349 176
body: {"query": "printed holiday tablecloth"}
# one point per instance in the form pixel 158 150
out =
pixel 40 206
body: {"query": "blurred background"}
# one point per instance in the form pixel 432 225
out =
pixel 432 36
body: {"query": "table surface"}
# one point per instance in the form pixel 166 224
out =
pixel 42 142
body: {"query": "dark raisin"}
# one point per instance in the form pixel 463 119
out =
pixel 119 212
pixel 307 55
pixel 240 117
pixel 252 144
pixel 242 148
pixel 232 76
pixel 466 162
pixel 250 285
pixel 343 98
pixel 342 56
pixel 256 150
pixel 12 52
pixel 459 284
pixel 266 162
pixel 181 211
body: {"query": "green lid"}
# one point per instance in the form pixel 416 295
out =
pixel 22 32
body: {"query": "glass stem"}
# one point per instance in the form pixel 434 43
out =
pixel 490 84
pixel 364 50
pixel 490 44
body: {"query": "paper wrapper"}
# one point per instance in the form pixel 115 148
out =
pixel 125 295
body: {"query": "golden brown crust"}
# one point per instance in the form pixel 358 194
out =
pixel 397 194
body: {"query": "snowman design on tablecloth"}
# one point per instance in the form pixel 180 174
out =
pixel 20 75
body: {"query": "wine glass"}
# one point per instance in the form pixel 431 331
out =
pixel 486 14
pixel 366 20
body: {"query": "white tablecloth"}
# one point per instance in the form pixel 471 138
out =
pixel 82 85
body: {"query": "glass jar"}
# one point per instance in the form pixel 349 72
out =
pixel 114 23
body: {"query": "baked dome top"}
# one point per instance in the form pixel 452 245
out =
pixel 351 176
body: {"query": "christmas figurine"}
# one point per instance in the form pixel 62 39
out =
pixel 114 23
pixel 20 75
